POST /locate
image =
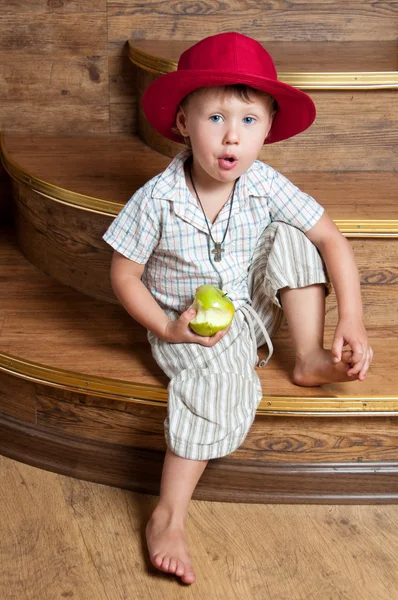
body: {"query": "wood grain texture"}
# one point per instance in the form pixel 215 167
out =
pixel 73 539
pixel 107 166
pixel 112 167
pixel 12 388
pixel 304 56
pixel 53 35
pixel 5 196
pixel 271 439
pixel 53 6
pixel 122 93
pixel 62 72
pixel 287 21
pixel 121 443
pixel 54 325
pixel 80 259
pixel 54 72
pixel 66 243
pixel 240 477
pixel 360 139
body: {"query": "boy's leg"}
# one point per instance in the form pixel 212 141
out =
pixel 166 529
pixel 213 395
pixel 287 271
pixel 305 314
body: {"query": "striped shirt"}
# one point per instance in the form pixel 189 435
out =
pixel 163 227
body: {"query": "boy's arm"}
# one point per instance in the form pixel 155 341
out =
pixel 134 296
pixel 340 262
pixel 142 306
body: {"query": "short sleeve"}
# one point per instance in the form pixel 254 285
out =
pixel 287 203
pixel 136 230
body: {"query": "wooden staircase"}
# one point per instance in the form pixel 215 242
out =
pixel 79 391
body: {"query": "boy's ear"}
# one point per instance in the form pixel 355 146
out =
pixel 181 122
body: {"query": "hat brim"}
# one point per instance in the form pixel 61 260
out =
pixel 296 110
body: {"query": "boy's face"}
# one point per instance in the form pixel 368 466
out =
pixel 226 133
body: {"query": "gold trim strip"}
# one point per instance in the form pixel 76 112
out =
pixel 342 81
pixel 349 228
pixel 149 62
pixel 368 227
pixel 367 80
pixel 79 382
pixel 54 192
pixel 151 395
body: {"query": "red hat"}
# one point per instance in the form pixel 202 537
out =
pixel 225 59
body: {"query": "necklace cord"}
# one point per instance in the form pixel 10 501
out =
pixel 204 214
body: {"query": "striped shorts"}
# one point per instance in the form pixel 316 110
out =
pixel 213 393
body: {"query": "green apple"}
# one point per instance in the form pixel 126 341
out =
pixel 214 311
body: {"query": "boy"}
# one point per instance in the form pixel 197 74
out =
pixel 217 215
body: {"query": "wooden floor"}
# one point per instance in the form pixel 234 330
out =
pixel 65 538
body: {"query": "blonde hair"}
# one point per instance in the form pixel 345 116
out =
pixel 240 90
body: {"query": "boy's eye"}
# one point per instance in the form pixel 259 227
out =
pixel 215 118
pixel 248 120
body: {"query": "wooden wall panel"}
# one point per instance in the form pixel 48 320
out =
pixel 12 7
pixel 122 94
pixel 266 21
pixel 54 71
pixel 62 72
pixel 275 20
pixel 347 135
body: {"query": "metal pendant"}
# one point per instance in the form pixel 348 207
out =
pixel 217 252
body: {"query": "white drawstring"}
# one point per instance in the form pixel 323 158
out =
pixel 250 313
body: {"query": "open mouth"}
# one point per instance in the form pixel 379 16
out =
pixel 227 162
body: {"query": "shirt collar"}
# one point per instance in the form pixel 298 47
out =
pixel 171 184
pixel 249 183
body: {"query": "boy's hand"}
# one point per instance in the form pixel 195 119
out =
pixel 179 332
pixel 351 332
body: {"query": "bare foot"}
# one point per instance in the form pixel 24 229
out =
pixel 318 368
pixel 167 546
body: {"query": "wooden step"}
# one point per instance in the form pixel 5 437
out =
pixel 306 64
pixel 345 80
pixel 43 321
pixel 67 189
pixel 81 395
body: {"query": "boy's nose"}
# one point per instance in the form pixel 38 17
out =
pixel 231 135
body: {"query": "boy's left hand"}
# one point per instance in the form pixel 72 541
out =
pixel 351 331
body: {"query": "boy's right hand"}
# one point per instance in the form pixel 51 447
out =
pixel 179 332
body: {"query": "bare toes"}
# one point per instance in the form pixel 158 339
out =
pixel 173 565
pixel 166 563
pixel 346 357
pixel 188 577
pixel 157 560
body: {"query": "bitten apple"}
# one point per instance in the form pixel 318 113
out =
pixel 214 311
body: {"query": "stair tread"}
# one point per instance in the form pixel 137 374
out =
pixel 45 322
pixel 308 56
pixel 110 167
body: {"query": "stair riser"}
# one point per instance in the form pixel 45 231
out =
pixel 66 244
pixel 312 459
pixel 5 196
